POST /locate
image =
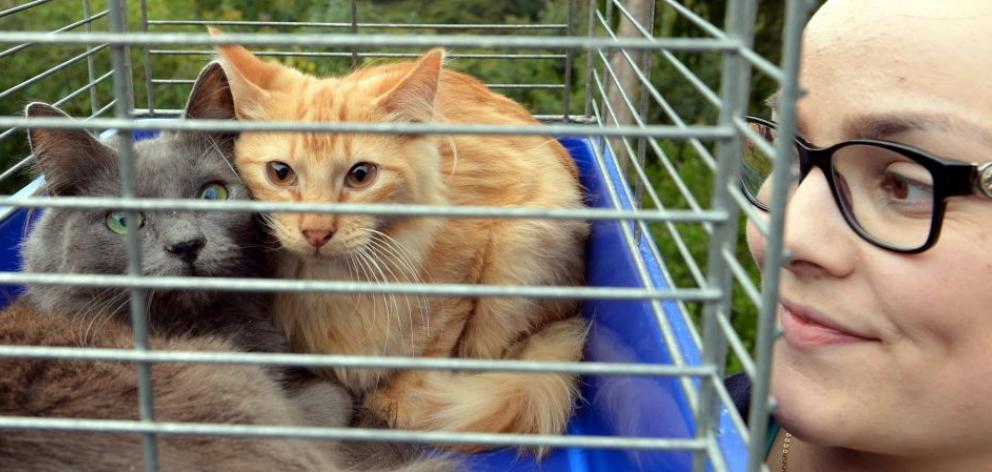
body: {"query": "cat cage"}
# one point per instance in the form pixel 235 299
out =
pixel 662 195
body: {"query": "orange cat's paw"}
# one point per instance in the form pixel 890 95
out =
pixel 481 346
pixel 386 407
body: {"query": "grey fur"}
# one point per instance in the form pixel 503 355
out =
pixel 174 165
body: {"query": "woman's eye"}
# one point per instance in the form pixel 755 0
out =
pixel 280 174
pixel 906 189
pixel 213 191
pixel 117 221
pixel 361 175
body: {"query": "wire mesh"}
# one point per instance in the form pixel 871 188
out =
pixel 629 120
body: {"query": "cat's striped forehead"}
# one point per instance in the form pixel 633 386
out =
pixel 323 101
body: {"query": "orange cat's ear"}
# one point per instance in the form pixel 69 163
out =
pixel 412 99
pixel 251 78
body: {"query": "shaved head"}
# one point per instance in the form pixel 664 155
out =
pixel 924 61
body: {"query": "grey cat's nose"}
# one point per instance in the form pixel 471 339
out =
pixel 317 237
pixel 187 250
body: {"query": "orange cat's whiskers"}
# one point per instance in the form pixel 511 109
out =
pixel 389 299
pixel 360 273
pixel 367 272
pixel 272 224
pixel 401 256
pixel 400 251
pixel 352 275
pixel 378 252
pixel 542 143
pixel 454 155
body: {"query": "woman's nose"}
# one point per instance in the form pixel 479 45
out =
pixel 818 238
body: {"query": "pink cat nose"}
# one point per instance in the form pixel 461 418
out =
pixel 318 237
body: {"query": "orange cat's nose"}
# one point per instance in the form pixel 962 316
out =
pixel 317 237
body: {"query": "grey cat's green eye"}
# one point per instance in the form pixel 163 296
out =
pixel 117 221
pixel 213 191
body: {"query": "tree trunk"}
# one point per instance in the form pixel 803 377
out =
pixel 626 78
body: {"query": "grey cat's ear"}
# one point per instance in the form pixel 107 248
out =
pixel 67 157
pixel 211 97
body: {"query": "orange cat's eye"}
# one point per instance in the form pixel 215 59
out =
pixel 361 175
pixel 280 174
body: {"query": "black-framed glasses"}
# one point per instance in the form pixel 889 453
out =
pixel 892 195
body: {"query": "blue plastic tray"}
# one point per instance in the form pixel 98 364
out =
pixel 622 331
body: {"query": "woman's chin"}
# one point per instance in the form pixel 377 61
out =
pixel 811 415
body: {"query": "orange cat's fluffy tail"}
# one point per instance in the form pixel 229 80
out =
pixel 496 401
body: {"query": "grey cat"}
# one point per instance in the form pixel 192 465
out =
pixel 226 244
pixel 175 165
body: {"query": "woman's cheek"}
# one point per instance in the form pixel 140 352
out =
pixel 756 243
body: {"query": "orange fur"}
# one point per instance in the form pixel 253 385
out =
pixel 496 171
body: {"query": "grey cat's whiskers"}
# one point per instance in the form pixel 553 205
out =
pixel 97 307
pixel 125 300
pixel 213 144
pixel 104 313
pixel 89 311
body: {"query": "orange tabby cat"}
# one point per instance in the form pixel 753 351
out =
pixel 500 171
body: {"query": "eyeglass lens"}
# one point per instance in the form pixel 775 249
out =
pixel 885 196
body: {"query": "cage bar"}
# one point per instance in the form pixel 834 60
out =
pixel 304 432
pixel 87 20
pixel 378 362
pixel 374 40
pixel 138 297
pixel 796 12
pixel 23 7
pixel 317 24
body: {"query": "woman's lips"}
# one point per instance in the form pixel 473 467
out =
pixel 804 332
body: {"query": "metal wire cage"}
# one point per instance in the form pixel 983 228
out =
pixel 654 396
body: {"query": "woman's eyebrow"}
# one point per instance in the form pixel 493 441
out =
pixel 886 126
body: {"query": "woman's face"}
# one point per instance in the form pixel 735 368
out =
pixel 906 366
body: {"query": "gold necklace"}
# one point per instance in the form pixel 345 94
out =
pixel 786 442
